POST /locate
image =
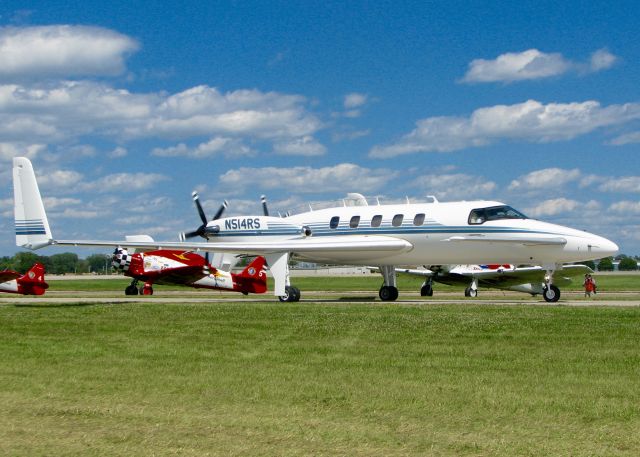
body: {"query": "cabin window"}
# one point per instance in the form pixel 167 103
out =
pixel 494 213
pixel 397 220
pixel 354 222
pixel 418 219
pixel 376 220
pixel 333 223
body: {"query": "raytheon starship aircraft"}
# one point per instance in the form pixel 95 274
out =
pixel 356 232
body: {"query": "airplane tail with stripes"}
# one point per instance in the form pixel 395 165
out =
pixel 32 226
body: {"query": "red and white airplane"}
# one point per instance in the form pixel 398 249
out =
pixel 30 283
pixel 174 267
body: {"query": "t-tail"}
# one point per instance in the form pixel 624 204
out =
pixel 32 282
pixel 32 226
pixel 253 279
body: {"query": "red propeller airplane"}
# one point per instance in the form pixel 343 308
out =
pixel 31 283
pixel 173 267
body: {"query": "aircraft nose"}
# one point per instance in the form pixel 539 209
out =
pixel 603 246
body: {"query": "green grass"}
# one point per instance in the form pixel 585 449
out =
pixel 307 379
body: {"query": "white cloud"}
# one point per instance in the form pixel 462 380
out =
pixel 70 110
pixel 529 121
pixel 73 213
pixel 621 184
pixel 532 64
pixel 454 186
pixel 10 150
pixel 349 134
pixel 602 60
pixel 339 178
pixel 62 51
pixel 55 202
pixel 549 178
pixel 117 153
pixel 626 207
pixel 354 100
pixel 218 145
pixel 627 138
pixel 553 207
pixel 512 66
pixel 60 179
pixel 305 146
pixel 124 182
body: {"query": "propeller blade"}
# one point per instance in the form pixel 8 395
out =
pixel 196 200
pixel 193 234
pixel 265 210
pixel 220 211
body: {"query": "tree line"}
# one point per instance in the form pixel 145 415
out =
pixel 58 264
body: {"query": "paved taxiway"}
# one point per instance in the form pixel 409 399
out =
pixel 627 299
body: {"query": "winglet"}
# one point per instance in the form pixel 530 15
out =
pixel 32 226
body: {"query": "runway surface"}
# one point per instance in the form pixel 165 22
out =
pixel 625 299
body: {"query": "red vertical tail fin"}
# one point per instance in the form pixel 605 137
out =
pixel 32 282
pixel 253 279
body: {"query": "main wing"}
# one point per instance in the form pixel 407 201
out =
pixel 302 245
pixel 8 275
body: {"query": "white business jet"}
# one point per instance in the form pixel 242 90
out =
pixel 357 232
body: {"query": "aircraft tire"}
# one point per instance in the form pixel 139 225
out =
pixel 388 293
pixel 469 292
pixel 296 294
pixel 426 291
pixel 551 294
pixel 131 290
pixel 290 294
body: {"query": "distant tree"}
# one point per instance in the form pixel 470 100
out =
pixel 22 261
pixel 66 262
pixel 6 263
pixel 98 262
pixel 590 263
pixel 628 264
pixel 605 264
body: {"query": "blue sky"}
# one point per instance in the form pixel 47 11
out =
pixel 126 107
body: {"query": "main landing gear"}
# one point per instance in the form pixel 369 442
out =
pixel 388 291
pixel 427 288
pixel 290 294
pixel 133 289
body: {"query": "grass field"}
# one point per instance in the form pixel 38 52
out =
pixel 318 379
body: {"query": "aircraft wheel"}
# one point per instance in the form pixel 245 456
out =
pixel 146 291
pixel 388 293
pixel 131 290
pixel 296 294
pixel 469 292
pixel 426 291
pixel 290 294
pixel 551 294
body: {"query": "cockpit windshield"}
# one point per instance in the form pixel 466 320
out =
pixel 494 213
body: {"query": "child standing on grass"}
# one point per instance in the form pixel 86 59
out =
pixel 589 285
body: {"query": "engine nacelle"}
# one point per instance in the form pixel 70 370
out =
pixel 121 259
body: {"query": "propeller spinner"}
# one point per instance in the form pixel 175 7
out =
pixel 203 230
